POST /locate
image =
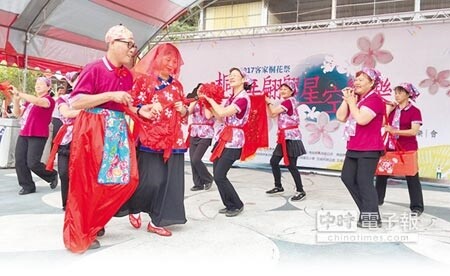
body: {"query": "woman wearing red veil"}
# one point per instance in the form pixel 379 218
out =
pixel 161 145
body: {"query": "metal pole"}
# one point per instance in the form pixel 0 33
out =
pixel 333 9
pixel 25 67
pixel 417 6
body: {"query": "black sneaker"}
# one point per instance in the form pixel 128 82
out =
pixel 275 190
pixel 298 196
pixel 101 233
pixel 196 188
pixel 223 211
pixel 24 191
pixel 54 182
pixel 416 212
pixel 235 212
pixel 95 245
pixel 208 186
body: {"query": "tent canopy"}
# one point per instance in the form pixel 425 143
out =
pixel 65 35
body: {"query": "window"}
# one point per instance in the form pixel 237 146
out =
pixel 434 4
pixel 292 11
pixel 355 8
pixel 233 16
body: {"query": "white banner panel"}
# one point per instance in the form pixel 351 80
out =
pixel 322 64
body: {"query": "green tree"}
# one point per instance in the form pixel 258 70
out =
pixel 15 77
pixel 188 22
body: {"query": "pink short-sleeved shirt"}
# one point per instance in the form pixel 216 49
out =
pixel 368 137
pixel 35 119
pixel 409 115
pixel 101 76
pixel 287 106
pixel 64 99
pixel 241 105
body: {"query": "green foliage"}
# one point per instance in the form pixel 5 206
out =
pixel 15 77
pixel 188 22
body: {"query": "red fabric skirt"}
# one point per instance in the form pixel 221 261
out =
pixel 91 205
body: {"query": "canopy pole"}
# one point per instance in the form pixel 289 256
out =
pixel 25 66
pixel 28 38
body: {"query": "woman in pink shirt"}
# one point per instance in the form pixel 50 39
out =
pixel 362 110
pixel 201 132
pixel 231 138
pixel 34 131
pixel 63 138
pixel 404 124
pixel 289 143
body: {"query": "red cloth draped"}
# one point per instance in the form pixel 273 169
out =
pixel 4 89
pixel 164 132
pixel 210 90
pixel 225 136
pixel 56 142
pixel 187 142
pixel 282 141
pixel 256 129
pixel 91 205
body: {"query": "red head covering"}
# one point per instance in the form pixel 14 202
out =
pixel 150 64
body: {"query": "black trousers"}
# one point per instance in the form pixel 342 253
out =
pixel 276 171
pixel 197 149
pixel 63 170
pixel 358 175
pixel 28 159
pixel 414 189
pixel 221 166
pixel 57 124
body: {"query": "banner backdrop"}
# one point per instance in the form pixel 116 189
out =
pixel 323 63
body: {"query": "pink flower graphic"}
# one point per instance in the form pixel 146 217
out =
pixel 321 129
pixel 436 79
pixel 371 53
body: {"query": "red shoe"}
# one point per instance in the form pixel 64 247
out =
pixel 159 230
pixel 136 222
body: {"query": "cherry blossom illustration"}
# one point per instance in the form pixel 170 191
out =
pixel 435 80
pixel 330 63
pixel 321 128
pixel 307 113
pixel 371 52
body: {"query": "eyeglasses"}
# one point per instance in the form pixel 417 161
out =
pixel 130 44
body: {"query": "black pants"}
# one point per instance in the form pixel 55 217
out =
pixel 63 170
pixel 358 175
pixel 57 124
pixel 28 159
pixel 197 149
pixel 414 189
pixel 275 164
pixel 221 166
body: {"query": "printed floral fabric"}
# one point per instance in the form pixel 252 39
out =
pixel 287 122
pixel 201 127
pixel 115 167
pixel 64 99
pixel 162 132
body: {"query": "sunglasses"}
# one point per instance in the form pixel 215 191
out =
pixel 130 44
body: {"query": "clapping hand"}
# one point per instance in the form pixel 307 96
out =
pixel 349 95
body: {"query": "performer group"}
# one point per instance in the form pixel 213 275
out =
pixel 117 168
